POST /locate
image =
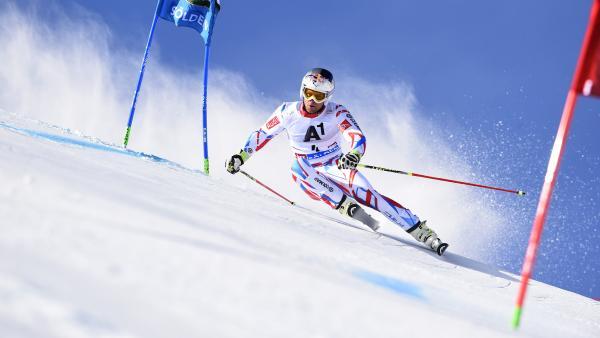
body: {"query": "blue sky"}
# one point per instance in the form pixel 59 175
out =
pixel 494 74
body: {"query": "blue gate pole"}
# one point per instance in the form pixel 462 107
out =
pixel 209 22
pixel 139 83
pixel 204 108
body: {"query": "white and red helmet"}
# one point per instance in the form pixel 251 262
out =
pixel 320 80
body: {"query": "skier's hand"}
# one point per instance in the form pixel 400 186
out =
pixel 234 163
pixel 349 160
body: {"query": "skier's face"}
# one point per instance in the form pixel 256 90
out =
pixel 311 106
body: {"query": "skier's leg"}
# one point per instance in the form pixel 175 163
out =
pixel 363 192
pixel 316 185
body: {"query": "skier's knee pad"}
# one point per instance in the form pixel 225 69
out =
pixel 300 169
pixel 314 183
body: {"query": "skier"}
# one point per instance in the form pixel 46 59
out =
pixel 315 127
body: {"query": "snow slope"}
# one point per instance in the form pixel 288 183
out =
pixel 97 241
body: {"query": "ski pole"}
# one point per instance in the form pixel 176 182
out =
pixel 266 187
pixel 518 192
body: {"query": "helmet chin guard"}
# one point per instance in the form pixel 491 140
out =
pixel 320 80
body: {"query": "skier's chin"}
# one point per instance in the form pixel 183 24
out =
pixel 312 107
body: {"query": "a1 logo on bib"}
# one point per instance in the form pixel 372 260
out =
pixel 311 133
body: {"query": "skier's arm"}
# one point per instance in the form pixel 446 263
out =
pixel 351 131
pixel 257 140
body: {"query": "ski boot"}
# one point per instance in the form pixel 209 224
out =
pixel 350 208
pixel 422 233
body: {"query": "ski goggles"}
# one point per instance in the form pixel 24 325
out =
pixel 316 96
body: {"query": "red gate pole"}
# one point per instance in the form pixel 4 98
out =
pixel 586 75
pixel 544 202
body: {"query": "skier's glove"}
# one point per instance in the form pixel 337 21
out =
pixel 234 163
pixel 349 160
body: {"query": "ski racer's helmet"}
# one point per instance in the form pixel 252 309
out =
pixel 318 83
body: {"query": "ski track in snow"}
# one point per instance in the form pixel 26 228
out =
pixel 99 241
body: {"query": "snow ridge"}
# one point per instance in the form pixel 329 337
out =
pixel 99 241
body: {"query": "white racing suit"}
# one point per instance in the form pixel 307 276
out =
pixel 316 141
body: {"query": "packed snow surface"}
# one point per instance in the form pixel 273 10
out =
pixel 99 241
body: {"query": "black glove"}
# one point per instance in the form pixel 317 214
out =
pixel 234 163
pixel 349 160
